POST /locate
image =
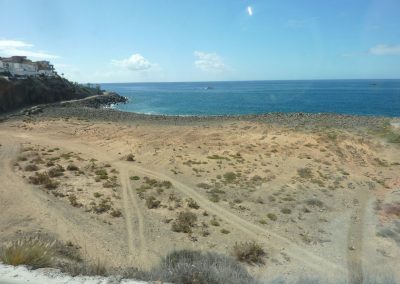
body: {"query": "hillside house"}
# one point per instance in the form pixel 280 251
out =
pixel 20 66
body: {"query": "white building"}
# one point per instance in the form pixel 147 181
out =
pixel 20 66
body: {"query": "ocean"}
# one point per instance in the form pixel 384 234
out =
pixel 358 97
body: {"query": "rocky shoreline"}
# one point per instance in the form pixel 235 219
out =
pixel 289 119
pixel 97 108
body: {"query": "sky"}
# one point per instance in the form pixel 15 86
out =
pixel 206 40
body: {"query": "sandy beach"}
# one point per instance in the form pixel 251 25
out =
pixel 318 192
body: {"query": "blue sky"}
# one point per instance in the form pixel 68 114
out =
pixel 185 40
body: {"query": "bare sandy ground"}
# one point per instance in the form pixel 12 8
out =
pixel 320 201
pixel 22 275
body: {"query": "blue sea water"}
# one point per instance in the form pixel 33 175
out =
pixel 359 97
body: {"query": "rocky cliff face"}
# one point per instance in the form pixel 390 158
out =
pixel 33 91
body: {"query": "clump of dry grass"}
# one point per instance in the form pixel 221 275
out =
pixel 249 252
pixel 32 252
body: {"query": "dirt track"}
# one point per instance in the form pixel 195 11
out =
pixel 21 203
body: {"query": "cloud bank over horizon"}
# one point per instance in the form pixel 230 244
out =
pixel 209 62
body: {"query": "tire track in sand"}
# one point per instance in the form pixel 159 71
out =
pixel 292 249
pixel 355 239
pixel 134 219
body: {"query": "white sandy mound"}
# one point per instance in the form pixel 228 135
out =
pixel 20 274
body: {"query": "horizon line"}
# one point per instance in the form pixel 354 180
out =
pixel 227 81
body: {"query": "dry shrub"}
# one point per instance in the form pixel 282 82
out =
pixel 103 206
pixel 130 158
pixel 56 171
pixel 31 168
pixel 393 209
pixel 195 267
pixel 43 179
pixel 115 213
pixel 305 173
pixel 72 168
pixel 32 252
pixel 249 252
pixel 192 204
pixel 152 202
pixel 184 222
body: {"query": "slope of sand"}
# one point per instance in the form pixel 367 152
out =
pixel 316 199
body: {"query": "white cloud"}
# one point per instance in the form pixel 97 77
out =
pixel 136 62
pixel 249 10
pixel 17 47
pixel 209 62
pixel 383 49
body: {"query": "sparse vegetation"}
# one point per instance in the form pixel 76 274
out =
pixel 286 211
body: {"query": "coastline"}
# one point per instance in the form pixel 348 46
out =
pixel 97 108
pixel 287 119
